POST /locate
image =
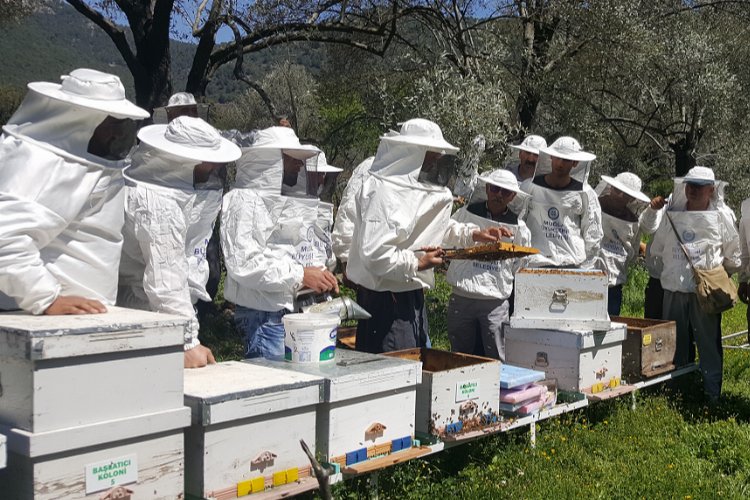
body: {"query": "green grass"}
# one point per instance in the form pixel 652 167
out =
pixel 671 446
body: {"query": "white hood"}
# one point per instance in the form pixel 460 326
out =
pixel 62 128
pixel 261 170
pixel 401 163
pixel 153 166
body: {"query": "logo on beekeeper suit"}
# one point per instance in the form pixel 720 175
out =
pixel 688 235
pixel 553 213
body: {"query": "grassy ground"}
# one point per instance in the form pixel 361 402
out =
pixel 673 445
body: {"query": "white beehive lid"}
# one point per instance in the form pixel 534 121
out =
pixel 234 390
pixel 355 374
pixel 119 329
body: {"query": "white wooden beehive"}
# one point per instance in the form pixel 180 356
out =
pixel 576 359
pixel 74 465
pixel 369 401
pixel 60 372
pixel 458 392
pixel 247 422
pixel 564 299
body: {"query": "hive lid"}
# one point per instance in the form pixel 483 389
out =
pixel 353 374
pixel 45 337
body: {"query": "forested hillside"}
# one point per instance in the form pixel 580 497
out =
pixel 51 43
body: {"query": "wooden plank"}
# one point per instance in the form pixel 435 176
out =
pixel 609 393
pixel 382 463
pixel 287 490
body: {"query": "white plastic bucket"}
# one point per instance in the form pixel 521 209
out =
pixel 310 337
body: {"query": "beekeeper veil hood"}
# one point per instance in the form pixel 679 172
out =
pixel 168 154
pixel 501 181
pixel 262 165
pixel 566 148
pixel 701 176
pixel 627 183
pixel 401 155
pixel 321 176
pixel 63 118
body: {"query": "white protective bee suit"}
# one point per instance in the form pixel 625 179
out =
pixel 484 280
pixel 565 224
pixel 622 238
pixel 397 215
pixel 61 206
pixel 346 216
pixel 267 237
pixel 322 240
pixel 710 236
pixel 711 240
pixel 479 303
pixel 169 219
pixel 744 273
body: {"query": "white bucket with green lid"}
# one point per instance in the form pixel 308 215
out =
pixel 310 337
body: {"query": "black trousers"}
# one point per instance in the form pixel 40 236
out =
pixel 399 321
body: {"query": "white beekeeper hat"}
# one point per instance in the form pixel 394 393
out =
pixel 629 184
pixel 502 178
pixel 181 99
pixel 531 144
pixel 421 132
pixel 285 139
pixel 190 138
pixel 702 176
pixel 94 90
pixel 322 165
pixel 568 148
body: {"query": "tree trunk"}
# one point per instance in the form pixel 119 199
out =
pixel 150 28
pixel 684 159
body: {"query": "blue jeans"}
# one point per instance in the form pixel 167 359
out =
pixel 263 332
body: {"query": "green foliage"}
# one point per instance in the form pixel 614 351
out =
pixel 10 99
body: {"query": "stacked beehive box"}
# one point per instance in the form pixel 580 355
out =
pixel 92 403
pixel 247 423
pixel 368 404
pixel 560 326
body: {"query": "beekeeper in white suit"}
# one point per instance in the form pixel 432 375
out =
pixel 627 214
pixel 322 177
pixel 403 217
pixel 346 216
pixel 705 226
pixel 61 194
pixel 479 304
pixel 564 215
pixel 268 226
pixel 173 198
pixel 744 274
pixel 524 165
